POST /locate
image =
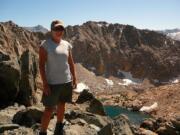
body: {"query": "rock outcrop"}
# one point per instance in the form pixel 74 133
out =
pixel 18 64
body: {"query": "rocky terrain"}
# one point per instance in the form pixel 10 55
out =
pixel 120 64
pixel 80 119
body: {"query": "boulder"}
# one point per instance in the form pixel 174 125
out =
pixel 98 120
pixel 121 126
pixel 29 68
pixel 149 124
pixel 93 104
pixel 9 79
pixel 106 130
pixel 96 107
pixel 28 117
pixel 84 96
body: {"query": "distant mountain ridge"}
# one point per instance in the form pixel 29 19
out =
pixel 38 28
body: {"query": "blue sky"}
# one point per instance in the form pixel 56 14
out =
pixel 150 14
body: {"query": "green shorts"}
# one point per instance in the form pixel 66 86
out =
pixel 59 93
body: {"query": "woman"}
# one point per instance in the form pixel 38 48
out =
pixel 58 76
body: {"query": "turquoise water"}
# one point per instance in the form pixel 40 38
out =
pixel 134 117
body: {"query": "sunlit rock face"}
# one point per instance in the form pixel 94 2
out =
pixel 18 64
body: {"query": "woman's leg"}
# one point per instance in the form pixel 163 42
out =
pixel 46 118
pixel 60 112
pixel 60 115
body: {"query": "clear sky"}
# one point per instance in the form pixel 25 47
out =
pixel 150 14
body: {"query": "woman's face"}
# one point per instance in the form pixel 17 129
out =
pixel 57 34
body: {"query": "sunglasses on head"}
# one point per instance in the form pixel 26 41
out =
pixel 58 29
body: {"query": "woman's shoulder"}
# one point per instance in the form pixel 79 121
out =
pixel 66 43
pixel 45 43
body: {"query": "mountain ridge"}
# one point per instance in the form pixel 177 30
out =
pixel 134 47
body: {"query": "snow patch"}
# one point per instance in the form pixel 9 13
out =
pixel 80 87
pixel 107 25
pixel 149 109
pixel 175 80
pixel 109 82
pixel 127 82
pixel 174 35
pixel 128 79
pixel 100 25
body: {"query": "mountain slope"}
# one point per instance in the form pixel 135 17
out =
pixel 106 48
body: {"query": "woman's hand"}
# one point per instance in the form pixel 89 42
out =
pixel 74 84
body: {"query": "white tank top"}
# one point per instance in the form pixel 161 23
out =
pixel 57 67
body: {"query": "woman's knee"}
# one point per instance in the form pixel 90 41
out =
pixel 49 109
pixel 61 104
